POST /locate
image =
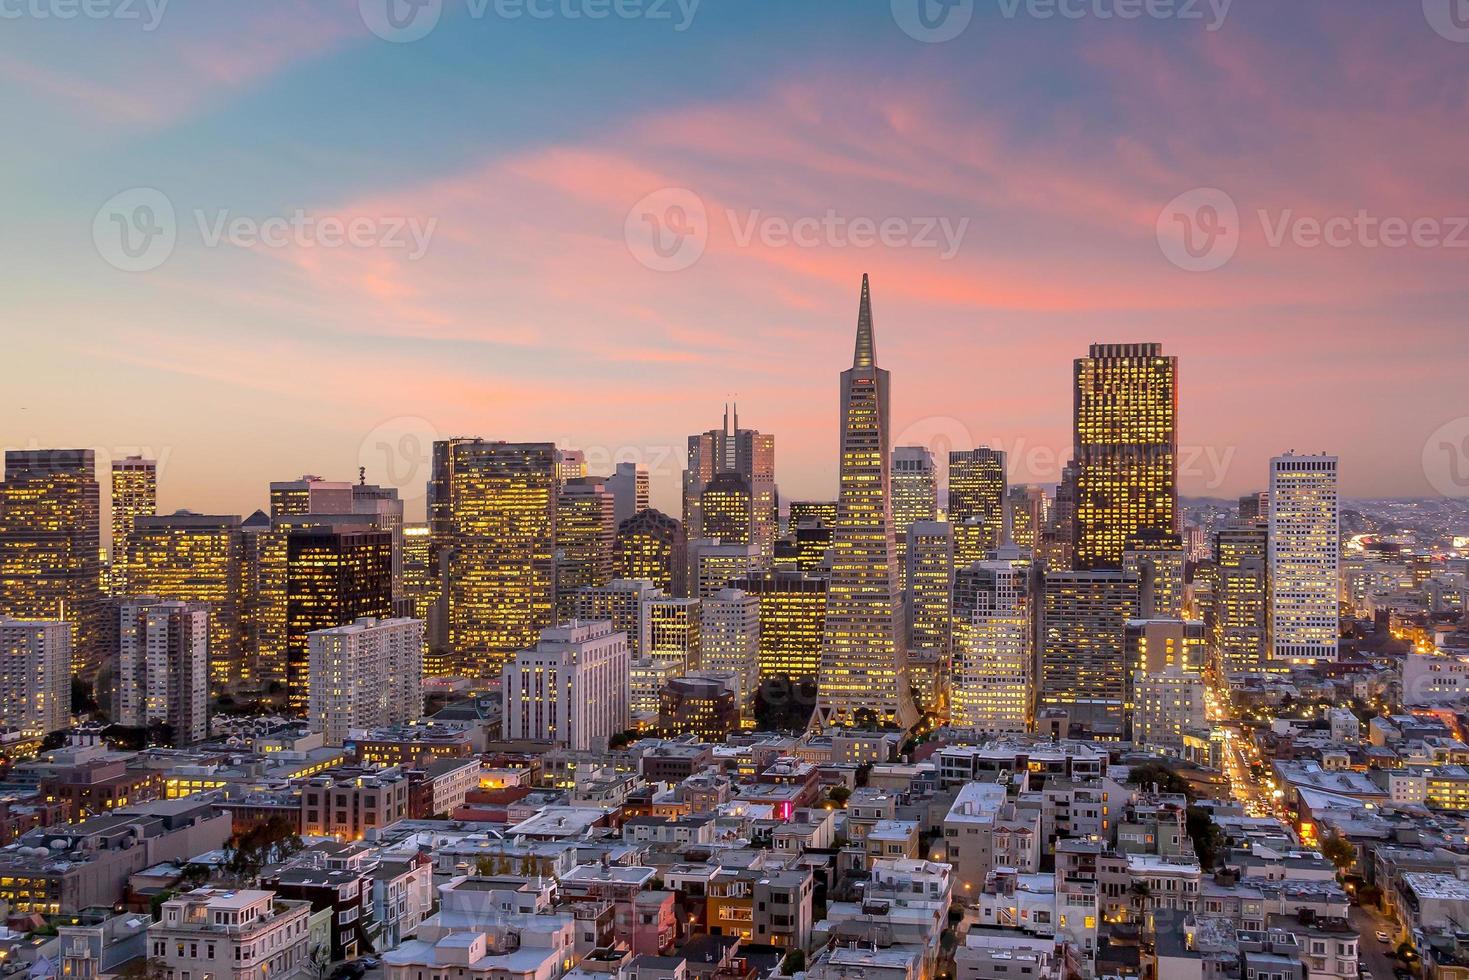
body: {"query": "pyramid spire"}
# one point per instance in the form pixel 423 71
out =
pixel 866 350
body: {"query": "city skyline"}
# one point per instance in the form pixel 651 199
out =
pixel 290 359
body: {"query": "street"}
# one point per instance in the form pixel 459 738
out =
pixel 1378 956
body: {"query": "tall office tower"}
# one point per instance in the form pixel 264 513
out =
pixel 571 690
pixel 310 495
pixel 915 498
pixel 646 678
pixel 1126 449
pixel 792 622
pixel 650 545
pixel 1305 556
pixel 571 464
pixel 134 494
pixel 1158 562
pixel 501 568
pixel 730 449
pixel 35 676
pixel 51 545
pixel 262 614
pixel 1165 662
pixel 812 513
pixel 1255 506
pixel 993 686
pixel 670 631
pixel 586 527
pixel 333 576
pixel 1026 515
pixel 629 489
pixel 162 666
pixel 805 549
pixel 713 565
pixel 864 666
pixel 620 602
pixel 1240 621
pixel 385 509
pixel 930 595
pixel 1059 539
pixel 725 508
pixel 1083 664
pixel 366 674
pixel 976 508
pixel 196 558
pixel 729 643
pixel 420 572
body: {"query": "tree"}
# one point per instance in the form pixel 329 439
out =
pixel 1207 837
pixel 794 962
pixel 1339 851
pixel 839 795
pixel 1156 773
pixel 273 841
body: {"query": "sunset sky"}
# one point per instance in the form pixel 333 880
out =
pixel 526 142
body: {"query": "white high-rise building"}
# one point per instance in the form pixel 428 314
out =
pixel 730 641
pixel 572 689
pixel 992 687
pixel 365 675
pixel 629 489
pixel 1167 705
pixel 1304 557
pixel 162 666
pixel 35 675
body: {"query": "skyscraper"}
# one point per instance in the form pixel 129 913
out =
pixel 976 508
pixel 1158 562
pixel 51 545
pixel 366 674
pixel 864 668
pixel 1027 510
pixel 1240 631
pixel 310 495
pixel 915 498
pixel 502 540
pixel 629 489
pixel 585 531
pixel 713 565
pixel 570 690
pixel 993 683
pixel 745 452
pixel 792 622
pixel 197 558
pixel 671 631
pixel 729 643
pixel 162 667
pixel 620 602
pixel 1305 555
pixel 929 599
pixel 1083 666
pixel 35 676
pixel 134 494
pixel 1126 449
pixel 650 545
pixel 811 513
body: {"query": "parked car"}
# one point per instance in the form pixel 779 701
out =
pixel 1383 937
